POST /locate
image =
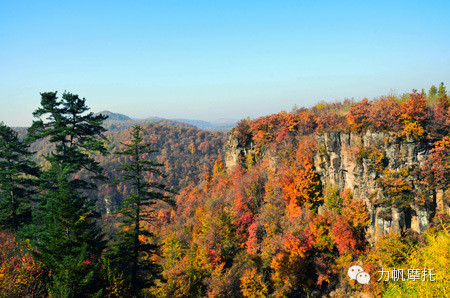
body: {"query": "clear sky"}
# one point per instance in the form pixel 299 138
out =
pixel 217 59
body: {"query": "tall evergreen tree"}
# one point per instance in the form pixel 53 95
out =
pixel 433 91
pixel 442 90
pixel 132 256
pixel 65 231
pixel 17 175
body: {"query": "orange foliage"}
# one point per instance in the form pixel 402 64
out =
pixel 278 126
pixel 299 246
pixel 219 167
pixel 354 211
pixel 414 114
pixel 303 121
pixel 344 237
pixel 415 108
pixel 385 114
pixel 300 181
pixel 290 266
pixel 358 116
pixel 20 274
pixel 329 121
pixel 436 168
pixel 264 128
pixel 252 240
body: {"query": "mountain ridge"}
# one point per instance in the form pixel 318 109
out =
pixel 222 124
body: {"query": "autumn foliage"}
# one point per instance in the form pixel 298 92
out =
pixel 20 274
pixel 271 225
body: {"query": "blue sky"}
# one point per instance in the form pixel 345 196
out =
pixel 209 59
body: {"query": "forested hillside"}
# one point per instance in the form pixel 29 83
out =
pixel 282 206
pixel 185 152
pixel 286 215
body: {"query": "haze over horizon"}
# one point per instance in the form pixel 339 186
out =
pixel 216 60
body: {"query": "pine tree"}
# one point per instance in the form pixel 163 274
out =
pixel 442 90
pixel 16 180
pixel 129 252
pixel 65 233
pixel 433 91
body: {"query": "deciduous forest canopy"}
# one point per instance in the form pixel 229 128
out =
pixel 224 149
pixel 280 206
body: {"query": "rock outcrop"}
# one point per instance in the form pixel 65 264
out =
pixel 338 166
pixel 359 162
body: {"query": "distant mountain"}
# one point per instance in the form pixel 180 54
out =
pixel 116 125
pixel 114 116
pixel 225 121
pixel 118 121
pixel 197 123
pixel 223 124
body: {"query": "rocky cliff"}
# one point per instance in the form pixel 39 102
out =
pixel 381 169
pixel 349 161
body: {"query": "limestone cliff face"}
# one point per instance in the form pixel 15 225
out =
pixel 338 166
pixel 235 154
pixel 341 165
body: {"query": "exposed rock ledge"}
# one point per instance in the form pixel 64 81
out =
pixel 339 167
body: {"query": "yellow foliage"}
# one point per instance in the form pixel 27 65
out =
pixel 444 142
pixel 355 211
pixel 301 184
pixel 396 186
pixel 252 285
pixel 191 148
pixel 219 167
pixel 413 129
pixel 20 273
pixel 249 161
pixel 435 255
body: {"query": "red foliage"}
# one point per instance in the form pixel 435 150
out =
pixel 282 135
pixel 300 181
pixel 385 114
pixel 242 228
pixel 299 246
pixel 215 259
pixel 241 201
pixel 415 108
pixel 243 133
pixel 304 122
pixel 358 116
pixel 329 121
pixel 323 267
pixel 252 240
pixel 344 237
pixel 436 169
pixel 264 129
pixel 439 124
pixel 20 274
pixel 164 215
pixel 89 260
